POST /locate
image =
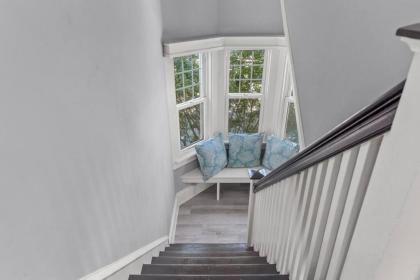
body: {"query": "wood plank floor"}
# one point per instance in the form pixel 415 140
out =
pixel 203 219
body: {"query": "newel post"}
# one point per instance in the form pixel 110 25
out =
pixel 386 240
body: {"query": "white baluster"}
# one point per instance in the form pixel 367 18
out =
pixel 288 193
pixel 321 219
pixel 303 218
pixel 268 216
pixel 312 211
pixel 267 192
pixel 337 206
pixel 256 225
pixel 277 209
pixel 361 177
pixel 294 236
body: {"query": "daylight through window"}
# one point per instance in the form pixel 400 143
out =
pixel 291 131
pixel 189 100
pixel 245 90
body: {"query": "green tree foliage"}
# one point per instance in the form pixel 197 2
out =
pixel 187 78
pixel 187 87
pixel 246 71
pixel 244 115
pixel 245 76
pixel 189 126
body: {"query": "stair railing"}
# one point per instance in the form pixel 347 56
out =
pixel 303 214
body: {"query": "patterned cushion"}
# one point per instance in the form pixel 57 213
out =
pixel 278 151
pixel 245 150
pixel 211 156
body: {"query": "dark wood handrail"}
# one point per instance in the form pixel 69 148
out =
pixel 410 31
pixel 369 122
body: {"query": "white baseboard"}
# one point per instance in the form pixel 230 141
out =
pixel 121 268
pixel 180 198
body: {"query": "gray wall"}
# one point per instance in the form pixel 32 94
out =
pixel 184 19
pixel 345 55
pixel 189 18
pixel 249 17
pixel 85 167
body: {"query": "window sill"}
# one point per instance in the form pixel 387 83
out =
pixel 187 157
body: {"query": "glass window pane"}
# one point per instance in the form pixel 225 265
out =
pixel 195 61
pixel 234 86
pixel 244 115
pixel 180 96
pixel 246 66
pixel 187 79
pixel 291 132
pixel 258 56
pixel 188 93
pixel 256 86
pixel 196 76
pixel 178 81
pixel 190 126
pixel 177 64
pixel 257 72
pixel 235 57
pixel 196 91
pixel 187 62
pixel 245 72
pixel 247 57
pixel 245 86
pixel 234 72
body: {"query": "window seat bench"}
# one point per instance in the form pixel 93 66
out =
pixel 227 175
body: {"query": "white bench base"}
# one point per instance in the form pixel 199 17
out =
pixel 227 175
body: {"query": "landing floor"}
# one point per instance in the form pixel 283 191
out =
pixel 203 219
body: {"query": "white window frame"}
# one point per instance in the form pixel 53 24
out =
pixel 260 96
pixel 186 154
pixel 290 97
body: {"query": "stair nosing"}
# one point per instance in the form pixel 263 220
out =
pixel 217 275
pixel 212 257
pixel 215 264
pixel 209 244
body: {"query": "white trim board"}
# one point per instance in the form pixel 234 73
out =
pixel 112 268
pixel 180 198
pixel 293 76
pixel 219 43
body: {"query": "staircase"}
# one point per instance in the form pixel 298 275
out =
pixel 209 261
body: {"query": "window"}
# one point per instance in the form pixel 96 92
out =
pixel 245 89
pixel 229 84
pixel 290 127
pixel 189 99
pixel 291 130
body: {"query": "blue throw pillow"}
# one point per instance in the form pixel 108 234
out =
pixel 245 150
pixel 278 151
pixel 211 156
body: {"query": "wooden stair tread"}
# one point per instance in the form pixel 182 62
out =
pixel 208 254
pixel 210 277
pixel 209 260
pixel 209 269
pixel 209 247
